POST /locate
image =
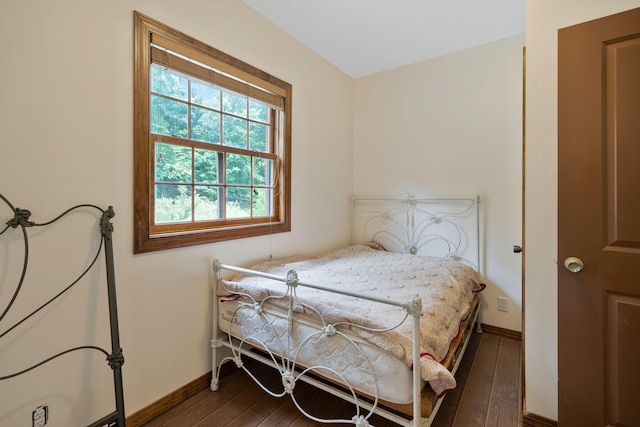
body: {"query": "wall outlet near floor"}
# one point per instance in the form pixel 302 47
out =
pixel 503 304
pixel 40 416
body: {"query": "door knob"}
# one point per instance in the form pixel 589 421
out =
pixel 574 264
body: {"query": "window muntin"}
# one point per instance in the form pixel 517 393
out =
pixel 187 187
pixel 217 144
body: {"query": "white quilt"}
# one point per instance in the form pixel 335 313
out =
pixel 445 286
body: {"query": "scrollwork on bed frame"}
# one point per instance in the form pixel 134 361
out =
pixel 447 227
pixel 21 221
pixel 286 362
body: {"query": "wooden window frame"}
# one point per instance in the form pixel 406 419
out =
pixel 149 237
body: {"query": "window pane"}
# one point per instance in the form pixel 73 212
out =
pixel 206 203
pixel 205 94
pixel 206 166
pixel 238 169
pixel 257 137
pixel 168 117
pixel 258 111
pixel 260 202
pixel 179 107
pixel 238 202
pixel 173 203
pixel 235 132
pixel 234 104
pixel 168 82
pixel 173 163
pixel 262 169
pixel 205 125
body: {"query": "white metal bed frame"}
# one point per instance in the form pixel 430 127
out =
pixel 405 224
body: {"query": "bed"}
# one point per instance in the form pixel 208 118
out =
pixel 19 236
pixel 353 320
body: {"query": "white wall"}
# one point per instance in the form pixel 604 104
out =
pixel 453 125
pixel 544 18
pixel 66 114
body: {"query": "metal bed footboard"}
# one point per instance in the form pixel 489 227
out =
pixel 413 309
pixel 21 221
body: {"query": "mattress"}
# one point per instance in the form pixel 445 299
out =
pixel 446 288
pixel 346 359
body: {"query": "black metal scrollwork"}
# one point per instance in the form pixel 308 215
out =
pixel 106 227
pixel 20 218
pixel 115 359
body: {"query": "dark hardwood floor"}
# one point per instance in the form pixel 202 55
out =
pixel 488 394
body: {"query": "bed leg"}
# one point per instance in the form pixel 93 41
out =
pixel 478 324
pixel 215 341
pixel 214 365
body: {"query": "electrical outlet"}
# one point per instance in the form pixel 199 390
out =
pixel 503 304
pixel 40 416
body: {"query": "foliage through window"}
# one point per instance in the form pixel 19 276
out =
pixel 212 143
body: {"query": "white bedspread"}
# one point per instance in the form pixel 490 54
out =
pixel 446 288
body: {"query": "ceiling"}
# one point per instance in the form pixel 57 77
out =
pixel 363 37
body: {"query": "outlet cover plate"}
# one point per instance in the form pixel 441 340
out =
pixel 503 304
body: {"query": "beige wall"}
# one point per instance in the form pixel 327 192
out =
pixel 453 125
pixel 66 92
pixel 544 18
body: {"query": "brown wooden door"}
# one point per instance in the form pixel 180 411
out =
pixel 599 222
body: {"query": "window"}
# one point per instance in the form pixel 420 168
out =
pixel 212 143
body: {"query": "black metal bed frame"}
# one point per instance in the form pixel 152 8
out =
pixel 115 359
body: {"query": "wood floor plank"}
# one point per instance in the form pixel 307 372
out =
pixel 449 405
pixel 265 405
pixel 505 396
pixel 306 396
pixel 345 410
pixel 246 419
pixel 202 407
pixel 341 410
pixel 302 421
pixel 177 410
pixel 321 408
pixel 285 413
pixel 474 402
pixel 231 409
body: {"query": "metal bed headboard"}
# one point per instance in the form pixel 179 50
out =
pixel 447 227
pixel 21 221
